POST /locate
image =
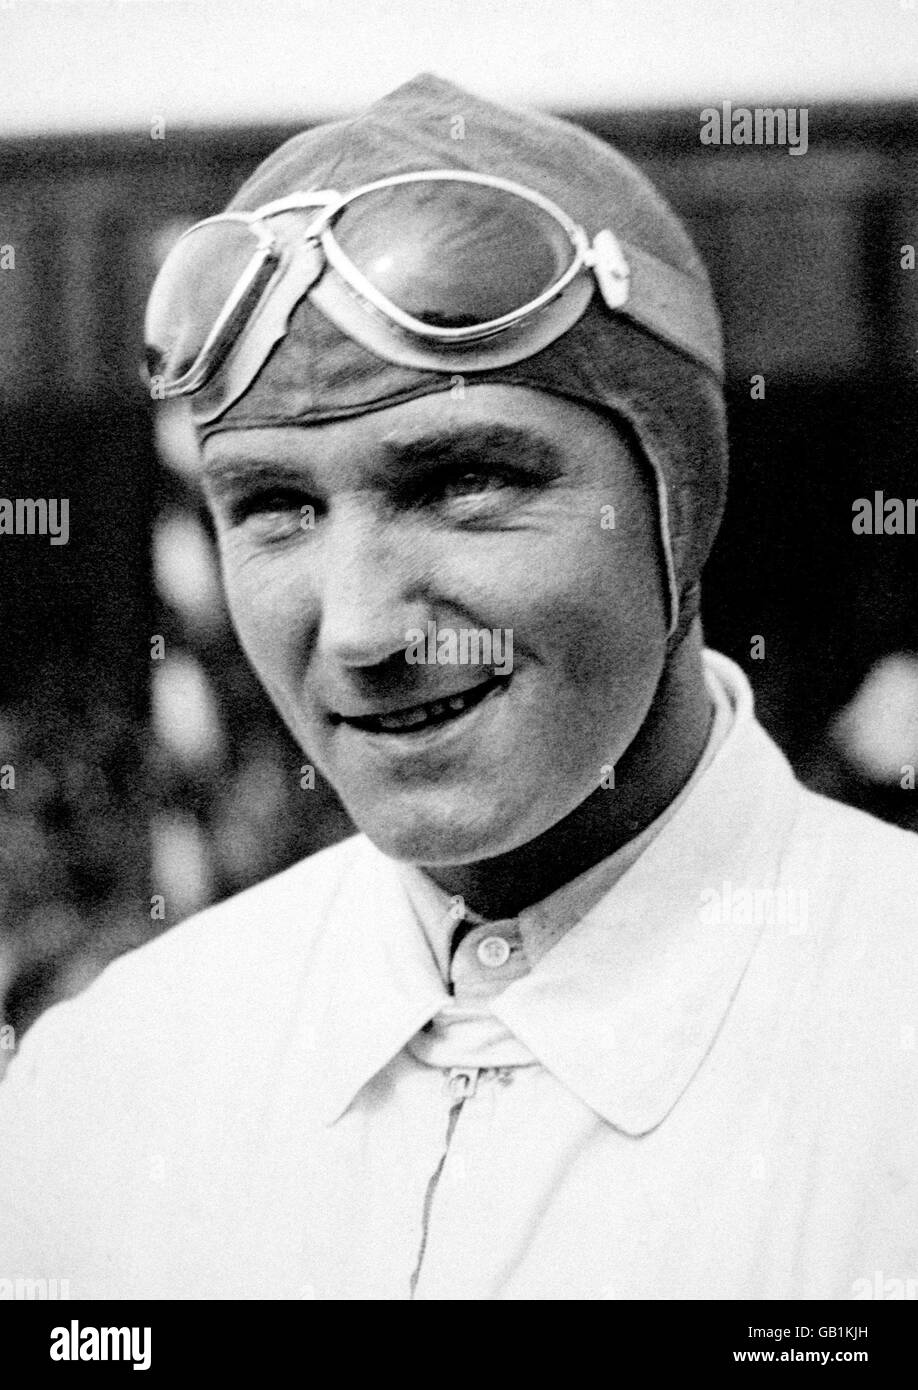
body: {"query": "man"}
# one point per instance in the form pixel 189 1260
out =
pixel 599 1003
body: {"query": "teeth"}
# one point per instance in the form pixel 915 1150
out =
pixel 418 715
pixel 406 719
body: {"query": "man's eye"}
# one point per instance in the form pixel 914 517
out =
pixel 475 489
pixel 470 483
pixel 273 514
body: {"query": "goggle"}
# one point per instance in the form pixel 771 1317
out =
pixel 439 269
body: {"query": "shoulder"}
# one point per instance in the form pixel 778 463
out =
pixel 855 881
pixel 868 859
pixel 208 978
pixel 263 927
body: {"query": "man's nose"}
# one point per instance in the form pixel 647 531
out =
pixel 370 591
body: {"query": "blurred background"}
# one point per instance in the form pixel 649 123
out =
pixel 143 789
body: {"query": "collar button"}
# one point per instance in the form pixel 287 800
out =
pixel 493 951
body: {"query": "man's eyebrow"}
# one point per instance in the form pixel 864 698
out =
pixel 473 443
pixel 223 472
pixel 465 446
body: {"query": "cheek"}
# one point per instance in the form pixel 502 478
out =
pixel 265 601
pixel 591 602
pixel 595 618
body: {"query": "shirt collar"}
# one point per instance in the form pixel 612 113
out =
pixel 625 1007
pixel 542 925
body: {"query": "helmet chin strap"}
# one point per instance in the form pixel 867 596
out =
pixel 689 610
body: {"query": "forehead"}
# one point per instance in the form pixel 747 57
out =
pixel 480 418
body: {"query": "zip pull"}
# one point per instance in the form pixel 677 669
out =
pixel 462 1083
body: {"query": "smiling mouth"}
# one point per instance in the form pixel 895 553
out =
pixel 416 717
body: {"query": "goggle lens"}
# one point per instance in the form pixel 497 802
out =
pixel 192 292
pixel 453 255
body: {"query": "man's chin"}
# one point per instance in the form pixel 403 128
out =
pixel 447 834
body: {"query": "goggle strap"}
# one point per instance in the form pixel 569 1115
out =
pixel 674 306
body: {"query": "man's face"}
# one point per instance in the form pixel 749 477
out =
pixel 488 512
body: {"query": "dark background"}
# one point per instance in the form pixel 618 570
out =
pixel 114 804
